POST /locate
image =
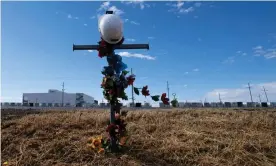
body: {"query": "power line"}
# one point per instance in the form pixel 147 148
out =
pixel 265 93
pixel 249 87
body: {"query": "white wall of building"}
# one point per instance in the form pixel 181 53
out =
pixel 55 96
pixel 88 99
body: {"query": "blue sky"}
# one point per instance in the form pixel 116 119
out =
pixel 201 48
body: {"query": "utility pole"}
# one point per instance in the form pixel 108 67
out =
pixel 249 87
pixel 132 89
pixel 62 98
pixel 168 89
pixel 265 93
pixel 260 98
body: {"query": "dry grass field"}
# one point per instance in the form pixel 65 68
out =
pixel 207 137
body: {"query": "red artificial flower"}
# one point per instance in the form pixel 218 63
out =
pixel 102 44
pixel 164 99
pixel 111 92
pixel 111 126
pixel 145 91
pixel 130 79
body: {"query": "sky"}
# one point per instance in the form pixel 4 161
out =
pixel 202 49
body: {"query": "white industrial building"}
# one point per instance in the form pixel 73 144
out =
pixel 55 98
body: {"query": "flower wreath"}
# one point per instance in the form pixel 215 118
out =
pixel 114 83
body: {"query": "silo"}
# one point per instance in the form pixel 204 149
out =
pixel 227 104
pixel 264 104
pixel 240 104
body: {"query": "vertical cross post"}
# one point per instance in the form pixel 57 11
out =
pixel 114 105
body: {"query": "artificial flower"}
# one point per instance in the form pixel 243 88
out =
pixel 122 141
pixel 111 92
pixel 102 45
pixel 145 91
pixel 96 142
pixel 101 150
pixel 136 90
pixel 164 99
pixel 174 102
pixel 130 79
pixel 125 72
pixel 117 116
pixel 155 98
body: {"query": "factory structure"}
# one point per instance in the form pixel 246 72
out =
pixel 56 98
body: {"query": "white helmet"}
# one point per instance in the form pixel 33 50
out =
pixel 111 28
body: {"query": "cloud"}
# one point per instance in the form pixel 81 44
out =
pixel 85 24
pixel 242 94
pixel 241 53
pixel 199 39
pixel 150 37
pixel 90 50
pixel 229 60
pixel 267 53
pixel 197 4
pixel 131 40
pixel 180 7
pixel 116 10
pixel 272 35
pixel 186 72
pixel 134 3
pixel 179 4
pixel 92 17
pixel 70 17
pixel 132 22
pixel 141 56
pixel 195 70
pixel 104 6
pixel 188 10
pixel 135 23
pixel 107 6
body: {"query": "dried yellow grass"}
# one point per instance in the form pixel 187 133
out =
pixel 206 137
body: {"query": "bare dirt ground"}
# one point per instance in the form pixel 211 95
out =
pixel 208 137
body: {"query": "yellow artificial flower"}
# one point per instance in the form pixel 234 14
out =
pixel 100 137
pixel 5 163
pixel 96 142
pixel 123 140
pixel 101 150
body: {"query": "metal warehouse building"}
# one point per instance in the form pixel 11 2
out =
pixel 55 98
